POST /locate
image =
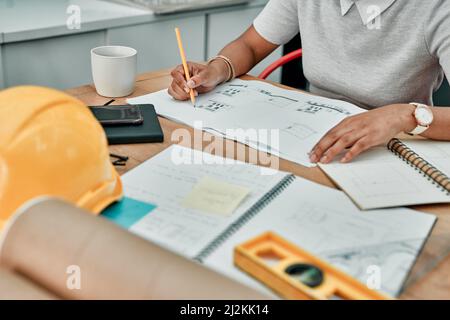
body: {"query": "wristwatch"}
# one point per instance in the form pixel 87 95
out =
pixel 424 118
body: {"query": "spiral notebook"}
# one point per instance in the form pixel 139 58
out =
pixel 406 173
pixel 276 201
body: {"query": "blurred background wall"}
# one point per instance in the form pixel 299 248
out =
pixel 48 42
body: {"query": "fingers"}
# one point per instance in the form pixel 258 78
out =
pixel 341 144
pixel 359 147
pixel 177 92
pixel 198 73
pixel 179 88
pixel 178 77
pixel 327 141
pixel 200 79
pixel 178 70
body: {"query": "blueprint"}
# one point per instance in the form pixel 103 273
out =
pixel 391 258
pixel 166 182
pixel 285 123
pixel 337 231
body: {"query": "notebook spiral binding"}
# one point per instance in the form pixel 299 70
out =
pixel 247 216
pixel 420 164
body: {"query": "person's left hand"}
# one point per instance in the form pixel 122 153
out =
pixel 363 131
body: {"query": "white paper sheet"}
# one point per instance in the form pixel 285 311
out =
pixel 256 107
pixel 380 179
pixel 337 231
pixel 435 152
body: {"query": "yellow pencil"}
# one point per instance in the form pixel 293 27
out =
pixel 185 66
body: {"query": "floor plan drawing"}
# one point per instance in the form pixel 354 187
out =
pixel 376 247
pixel 301 119
pixel 213 106
pixel 299 131
pixel 315 107
pixel 360 262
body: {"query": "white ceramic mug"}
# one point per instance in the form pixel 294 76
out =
pixel 114 70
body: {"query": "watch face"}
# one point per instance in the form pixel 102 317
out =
pixel 424 116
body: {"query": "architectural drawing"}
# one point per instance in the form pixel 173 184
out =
pixel 316 107
pixel 299 131
pixel 302 119
pixel 213 106
pixel 388 257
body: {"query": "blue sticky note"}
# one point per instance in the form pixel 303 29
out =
pixel 127 212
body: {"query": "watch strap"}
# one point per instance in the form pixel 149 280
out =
pixel 418 130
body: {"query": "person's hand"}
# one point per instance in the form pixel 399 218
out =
pixel 204 78
pixel 363 131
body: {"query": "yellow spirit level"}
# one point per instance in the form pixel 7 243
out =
pixel 294 273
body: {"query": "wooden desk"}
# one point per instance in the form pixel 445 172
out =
pixel 430 278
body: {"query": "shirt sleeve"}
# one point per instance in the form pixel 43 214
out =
pixel 437 34
pixel 278 22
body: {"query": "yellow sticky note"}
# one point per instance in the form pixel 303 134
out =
pixel 215 196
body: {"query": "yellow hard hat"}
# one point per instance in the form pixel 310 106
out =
pixel 51 144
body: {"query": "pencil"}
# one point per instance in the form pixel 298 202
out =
pixel 185 66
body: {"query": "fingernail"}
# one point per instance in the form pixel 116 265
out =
pixel 313 158
pixel 191 84
pixel 344 160
pixel 186 89
pixel 324 159
pixel 195 93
